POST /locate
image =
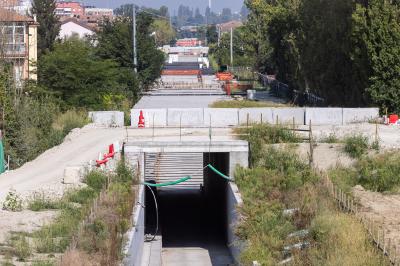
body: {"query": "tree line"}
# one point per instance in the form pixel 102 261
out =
pixel 346 51
pixel 74 75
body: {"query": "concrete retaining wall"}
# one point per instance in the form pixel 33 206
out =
pixel 107 118
pixel 134 248
pixel 221 117
pixel 286 115
pixel 354 115
pixel 256 115
pixel 159 115
pixel 185 117
pixel 233 201
pixel 225 117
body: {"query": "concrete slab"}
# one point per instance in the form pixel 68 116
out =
pixel 256 115
pixel 324 116
pixel 107 118
pixel 357 115
pixel 287 114
pixel 221 117
pixel 159 116
pixel 185 117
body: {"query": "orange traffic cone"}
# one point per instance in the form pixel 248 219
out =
pixel 141 120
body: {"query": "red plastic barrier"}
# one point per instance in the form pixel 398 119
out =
pixel 110 153
pixel 393 119
pixel 100 162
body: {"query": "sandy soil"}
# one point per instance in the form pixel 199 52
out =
pixel 383 209
pixel 325 155
pixel 24 221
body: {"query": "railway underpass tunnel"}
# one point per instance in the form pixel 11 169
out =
pixel 192 214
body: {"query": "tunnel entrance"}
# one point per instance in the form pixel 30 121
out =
pixel 193 220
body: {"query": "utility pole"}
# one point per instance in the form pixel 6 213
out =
pixel 134 38
pixel 231 47
pixel 219 35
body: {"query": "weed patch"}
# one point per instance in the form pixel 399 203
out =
pixel 13 202
pixel 40 201
pixel 356 145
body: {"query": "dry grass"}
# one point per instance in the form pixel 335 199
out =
pixel 76 257
pixel 245 104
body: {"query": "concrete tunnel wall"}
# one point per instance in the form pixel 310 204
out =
pixel 224 117
pixel 134 152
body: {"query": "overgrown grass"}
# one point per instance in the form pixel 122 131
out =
pixel 260 134
pixel 40 201
pixel 356 145
pixel 69 120
pixel 378 173
pixel 279 180
pixel 331 138
pixel 244 104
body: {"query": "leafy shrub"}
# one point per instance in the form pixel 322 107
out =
pixel 96 180
pixel 356 145
pixel 13 202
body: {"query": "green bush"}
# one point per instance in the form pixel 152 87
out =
pixel 356 145
pixel 331 138
pixel 82 195
pixel 96 180
pixel 13 202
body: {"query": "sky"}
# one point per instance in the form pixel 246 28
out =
pixel 216 5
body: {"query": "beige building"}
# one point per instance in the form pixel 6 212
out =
pixel 18 44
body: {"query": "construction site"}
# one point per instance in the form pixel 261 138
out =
pixel 185 154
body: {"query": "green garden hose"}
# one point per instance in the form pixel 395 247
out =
pixel 219 173
pixel 168 183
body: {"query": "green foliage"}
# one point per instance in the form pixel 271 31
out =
pixel 21 247
pixel 356 145
pixel 115 43
pixel 380 173
pixel 164 33
pixel 79 78
pixel 40 201
pixel 82 196
pixel 13 202
pixel 96 180
pixel 331 138
pixel 43 263
pixel 69 120
pixel 49 25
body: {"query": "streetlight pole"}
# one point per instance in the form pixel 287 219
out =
pixel 134 38
pixel 231 47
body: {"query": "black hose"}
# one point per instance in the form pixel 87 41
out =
pixel 155 202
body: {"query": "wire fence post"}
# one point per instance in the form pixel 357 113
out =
pixel 180 128
pixel 153 126
pixel 261 118
pixel 247 121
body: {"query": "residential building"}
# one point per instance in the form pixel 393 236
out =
pixel 99 13
pixel 72 26
pixel 188 42
pixel 18 44
pixel 22 7
pixel 72 9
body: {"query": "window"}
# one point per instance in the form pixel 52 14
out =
pixel 14 38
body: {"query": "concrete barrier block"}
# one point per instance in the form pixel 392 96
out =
pixel 357 115
pixel 107 118
pixel 185 117
pixel 324 116
pixel 73 174
pixel 287 114
pixel 256 115
pixel 221 117
pixel 160 117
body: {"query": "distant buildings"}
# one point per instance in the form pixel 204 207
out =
pixel 94 13
pixel 74 27
pixel 188 42
pixel 70 9
pixel 18 44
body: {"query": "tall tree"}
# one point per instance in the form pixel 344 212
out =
pixel 49 26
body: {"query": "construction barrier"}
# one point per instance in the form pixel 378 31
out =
pixel 174 72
